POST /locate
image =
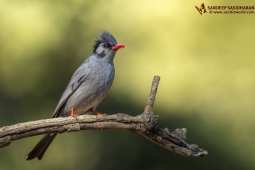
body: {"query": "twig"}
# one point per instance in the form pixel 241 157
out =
pixel 152 96
pixel 144 124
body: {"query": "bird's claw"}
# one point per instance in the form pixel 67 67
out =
pixel 73 114
pixel 99 114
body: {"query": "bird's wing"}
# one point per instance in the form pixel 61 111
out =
pixel 77 79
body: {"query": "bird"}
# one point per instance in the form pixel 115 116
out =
pixel 87 88
pixel 201 9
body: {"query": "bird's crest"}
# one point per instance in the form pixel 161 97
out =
pixel 104 37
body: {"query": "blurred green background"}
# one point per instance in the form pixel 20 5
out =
pixel 206 64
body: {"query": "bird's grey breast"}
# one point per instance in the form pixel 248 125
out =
pixel 91 92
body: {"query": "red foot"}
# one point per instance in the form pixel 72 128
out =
pixel 73 114
pixel 99 114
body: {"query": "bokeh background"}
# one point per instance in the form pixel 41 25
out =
pixel 206 64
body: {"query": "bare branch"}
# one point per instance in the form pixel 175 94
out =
pixel 152 96
pixel 144 124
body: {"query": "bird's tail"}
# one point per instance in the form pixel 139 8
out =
pixel 41 147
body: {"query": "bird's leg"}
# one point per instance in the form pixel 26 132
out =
pixel 73 114
pixel 99 114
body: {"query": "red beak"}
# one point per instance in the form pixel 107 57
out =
pixel 118 46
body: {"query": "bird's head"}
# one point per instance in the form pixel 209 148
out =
pixel 106 46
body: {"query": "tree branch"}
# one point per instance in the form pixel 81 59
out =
pixel 144 124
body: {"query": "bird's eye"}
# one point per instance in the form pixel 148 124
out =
pixel 107 45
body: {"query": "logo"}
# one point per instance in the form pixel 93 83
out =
pixel 225 9
pixel 201 9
